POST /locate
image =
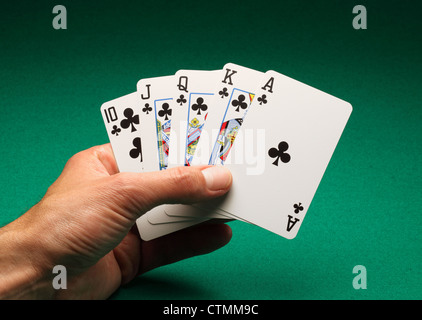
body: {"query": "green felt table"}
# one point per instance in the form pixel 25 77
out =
pixel 367 210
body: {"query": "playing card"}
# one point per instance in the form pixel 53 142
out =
pixel 197 211
pixel 156 95
pixel 122 120
pixel 194 98
pixel 302 128
pixel 150 231
pixel 179 213
pixel 161 217
pixel 235 92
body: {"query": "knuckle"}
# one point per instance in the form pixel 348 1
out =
pixel 99 152
pixel 82 156
pixel 74 159
pixel 95 151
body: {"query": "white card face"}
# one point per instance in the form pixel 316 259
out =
pixel 156 95
pixel 234 93
pixel 193 99
pixel 122 120
pixel 302 128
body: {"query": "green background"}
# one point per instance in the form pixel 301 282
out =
pixel 367 210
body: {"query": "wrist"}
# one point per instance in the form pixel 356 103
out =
pixel 24 274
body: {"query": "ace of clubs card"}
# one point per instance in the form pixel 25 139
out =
pixel 302 128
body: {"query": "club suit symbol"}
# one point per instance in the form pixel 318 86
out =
pixel 223 92
pixel 199 106
pixel 181 100
pixel 147 109
pixel 137 151
pixel 240 103
pixel 280 153
pixel 298 207
pixel 130 120
pixel 262 99
pixel 165 111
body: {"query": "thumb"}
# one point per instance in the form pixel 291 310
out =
pixel 143 191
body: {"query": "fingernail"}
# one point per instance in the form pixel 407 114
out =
pixel 217 177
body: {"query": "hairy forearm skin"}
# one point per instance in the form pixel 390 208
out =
pixel 24 271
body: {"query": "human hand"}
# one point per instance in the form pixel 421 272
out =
pixel 85 222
